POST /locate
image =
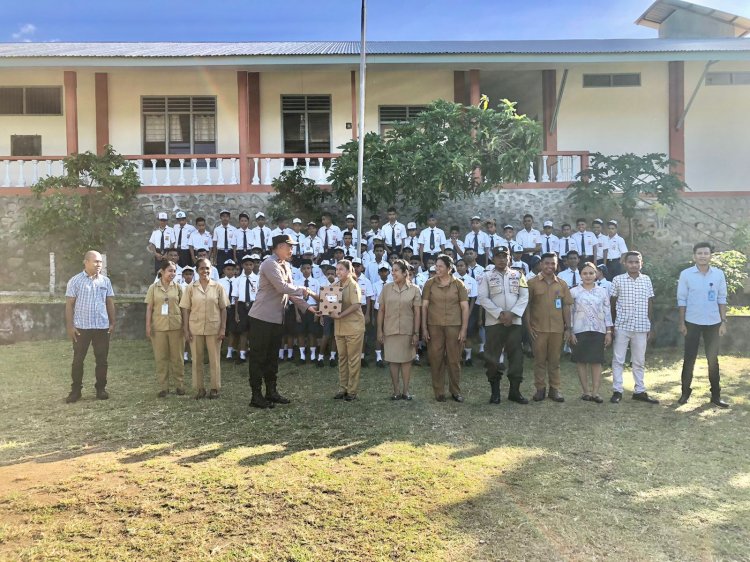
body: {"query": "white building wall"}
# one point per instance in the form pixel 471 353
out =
pixel 717 128
pixel 615 120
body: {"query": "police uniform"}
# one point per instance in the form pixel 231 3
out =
pixel 504 291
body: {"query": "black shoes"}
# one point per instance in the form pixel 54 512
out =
pixel 517 397
pixel 259 401
pixel 457 397
pixel 102 395
pixel 379 364
pixel 717 401
pixel 332 362
pixel 301 361
pixel 685 396
pixel 363 363
pixel 350 397
pixel 495 396
pixel 644 397
pixel 539 395
pixel 162 394
pixel 213 394
pixel 319 364
pixel 274 397
pixel 200 394
pixel 73 397
pixel 555 395
pixel 616 397
pixel 180 392
pixel 468 363
pixel 339 395
pixel 440 398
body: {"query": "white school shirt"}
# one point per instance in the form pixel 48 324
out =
pixel 371 235
pixel 366 286
pixel 169 238
pixel 242 295
pixel 413 243
pixel 313 244
pixel 354 233
pixel 219 236
pixel 421 279
pixel 184 242
pixel 601 245
pixel 496 241
pixel 550 243
pixel 230 287
pixel 569 275
pixel 472 285
pixel 300 239
pixel 371 271
pixel 313 284
pixel 476 272
pixel 520 265
pixel 528 238
pixel 239 238
pixel 459 244
pixel 565 245
pixel 482 239
pixel 439 238
pixel 202 241
pixel 606 285
pixel 334 236
pixel 397 229
pixel 278 232
pixel 615 247
pixel 377 288
pixel 367 258
pixel 350 250
pixel 261 234
pixel 589 241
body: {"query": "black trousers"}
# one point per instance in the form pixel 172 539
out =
pixel 185 258
pixel 614 268
pixel 99 340
pixel 263 353
pixel 499 337
pixel 711 345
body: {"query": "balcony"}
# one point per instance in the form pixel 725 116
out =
pixel 174 173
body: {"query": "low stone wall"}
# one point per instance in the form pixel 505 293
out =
pixel 131 267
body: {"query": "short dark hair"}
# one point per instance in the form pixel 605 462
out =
pixel 199 219
pixel 374 217
pixel 580 221
pixel 326 214
pixel 572 253
pixel 392 210
pixel 700 245
pixel 566 224
pixel 447 261
pixel 632 253
pixel 454 227
pixel 548 255
pixel 347 233
pixel 528 216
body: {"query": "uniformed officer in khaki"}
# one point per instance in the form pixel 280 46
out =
pixel 503 293
pixel 204 320
pixel 164 329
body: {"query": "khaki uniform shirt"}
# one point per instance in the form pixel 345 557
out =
pixel 353 323
pixel 205 307
pixel 444 307
pixel 544 316
pixel 157 296
pixel 503 292
pixel 400 305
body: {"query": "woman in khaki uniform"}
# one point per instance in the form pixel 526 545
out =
pixel 204 320
pixel 164 329
pixel 349 331
pixel 445 317
pixel 398 326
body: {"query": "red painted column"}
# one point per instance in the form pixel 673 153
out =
pixel 459 87
pixel 474 90
pixel 70 84
pixel 243 126
pixel 676 108
pixel 253 95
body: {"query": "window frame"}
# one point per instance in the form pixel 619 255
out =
pixel 307 111
pixel 409 109
pixel 611 76
pixel 731 75
pixel 191 112
pixel 24 102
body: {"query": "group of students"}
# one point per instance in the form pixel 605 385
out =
pixel 561 288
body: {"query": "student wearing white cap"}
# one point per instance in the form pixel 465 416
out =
pixel 550 242
pixel 350 222
pixel 182 231
pixel 261 234
pixel 230 283
pixel 329 234
pixel 478 240
pixel 162 238
pixel 614 250
pixel 224 239
pixel 298 236
pixel 247 288
pixel 412 238
pixel 393 232
pixel 587 242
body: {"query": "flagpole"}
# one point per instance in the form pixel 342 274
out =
pixel 361 124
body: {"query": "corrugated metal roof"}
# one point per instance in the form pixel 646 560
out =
pixel 660 10
pixel 383 48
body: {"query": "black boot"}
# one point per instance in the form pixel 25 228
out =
pixel 685 396
pixel 717 401
pixel 272 395
pixel 514 395
pixel 495 386
pixel 258 401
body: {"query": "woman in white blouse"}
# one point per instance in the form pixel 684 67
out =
pixel 592 331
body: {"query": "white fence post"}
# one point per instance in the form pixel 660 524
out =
pixel 52 273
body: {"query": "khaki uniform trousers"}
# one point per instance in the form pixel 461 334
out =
pixel 197 347
pixel 170 368
pixel 444 352
pixel 350 357
pixel 547 348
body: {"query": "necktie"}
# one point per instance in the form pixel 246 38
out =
pixel 393 236
pixel 575 282
pixel 307 283
pixel 262 240
pixel 226 238
pixel 161 247
pixel 472 273
pixel 492 245
pixel 247 289
pixel 244 239
pixel 325 243
pixel 476 245
pixel 179 240
pixel 583 246
pixel 297 249
pixel 566 246
pixel 432 240
pixel 548 244
pixel 230 289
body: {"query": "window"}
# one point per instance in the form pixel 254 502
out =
pixel 728 79
pixel 388 115
pixel 306 123
pixel 31 100
pixel 26 145
pixel 611 80
pixel 179 125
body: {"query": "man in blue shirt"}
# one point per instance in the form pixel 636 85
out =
pixel 702 301
pixel 89 319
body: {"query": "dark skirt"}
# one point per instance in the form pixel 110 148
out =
pixel 589 349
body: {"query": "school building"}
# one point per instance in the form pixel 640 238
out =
pixel 228 117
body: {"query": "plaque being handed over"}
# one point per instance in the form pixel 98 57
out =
pixel 331 299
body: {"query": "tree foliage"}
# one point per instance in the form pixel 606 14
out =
pixel 437 157
pixel 81 209
pixel 296 195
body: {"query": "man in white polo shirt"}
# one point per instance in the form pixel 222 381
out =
pixel 528 237
pixel 182 231
pixel 393 232
pixel 478 241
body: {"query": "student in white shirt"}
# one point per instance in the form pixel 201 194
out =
pixel 566 244
pixel 367 293
pixel 496 241
pixel 350 248
pixel 182 231
pixel 549 242
pixel 473 269
pixel 614 250
pixel 247 288
pixel 472 287
pixel 223 241
pixel 601 238
pixel 454 243
pixel 509 235
pixel 601 278
pixel 229 282
pixel 298 236
pixel 244 236
pixel 202 253
pixel 516 261
pixel 372 268
pixel 282 228
pixel 412 238
pixel 374 232
pixel 329 235
pixel 587 242
pixel 313 242
pixel 384 277
pixel 350 222
pixel 571 275
pixel 262 234
pixel 309 330
pixel 528 237
pixel 162 238
pixel 478 240
pixel 188 276
pixel 172 255
pixel 431 241
pixel 393 232
pixel 201 238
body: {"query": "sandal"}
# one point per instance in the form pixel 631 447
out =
pixel 406 397
pixel 598 399
pixel 396 397
pixel 586 398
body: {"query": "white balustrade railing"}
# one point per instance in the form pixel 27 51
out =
pixel 190 170
pixel 26 172
pixel 557 167
pixel 267 168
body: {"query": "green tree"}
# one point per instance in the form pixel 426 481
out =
pixel 626 179
pixel 81 209
pixel 448 152
pixel 296 195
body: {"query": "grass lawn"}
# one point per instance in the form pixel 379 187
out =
pixel 137 478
